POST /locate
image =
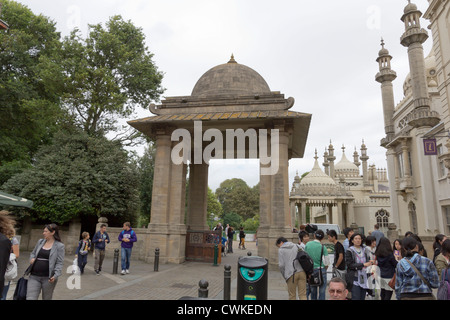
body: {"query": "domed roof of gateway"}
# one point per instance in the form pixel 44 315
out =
pixel 230 79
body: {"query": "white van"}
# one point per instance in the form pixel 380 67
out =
pixel 325 227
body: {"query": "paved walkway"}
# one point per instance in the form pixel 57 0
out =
pixel 171 282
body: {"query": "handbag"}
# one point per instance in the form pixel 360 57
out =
pixel 20 293
pixel 316 279
pixel 421 277
pixel 391 282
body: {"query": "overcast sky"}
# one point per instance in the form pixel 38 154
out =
pixel 322 53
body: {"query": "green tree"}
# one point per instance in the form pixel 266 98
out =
pixel 233 219
pixel 214 209
pixel 146 166
pixel 236 196
pixel 105 76
pixel 79 175
pixel 29 107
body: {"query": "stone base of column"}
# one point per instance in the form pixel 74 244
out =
pixel 267 237
pixel 171 241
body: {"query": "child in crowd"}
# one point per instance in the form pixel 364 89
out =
pixel 82 251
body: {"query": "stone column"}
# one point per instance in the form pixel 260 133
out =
pixel 161 178
pixel 406 166
pixel 280 187
pixel 167 230
pixel 341 216
pixel 293 213
pixel 198 196
pixel 303 212
pixel 274 204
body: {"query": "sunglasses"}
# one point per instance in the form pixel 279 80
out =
pixel 332 291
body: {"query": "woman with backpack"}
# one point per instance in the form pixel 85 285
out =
pixel 84 245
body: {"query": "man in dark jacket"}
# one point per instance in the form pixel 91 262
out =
pixel 100 240
pixel 5 250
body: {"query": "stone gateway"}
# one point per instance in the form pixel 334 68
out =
pixel 230 96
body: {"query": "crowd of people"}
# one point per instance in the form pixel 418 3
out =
pixel 47 257
pixel 364 267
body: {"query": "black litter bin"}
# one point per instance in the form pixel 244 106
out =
pixel 252 277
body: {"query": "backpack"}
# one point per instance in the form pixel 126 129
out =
pixel 84 247
pixel 305 261
pixel 443 292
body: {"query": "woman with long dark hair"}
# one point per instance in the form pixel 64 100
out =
pixel 437 245
pixel 416 275
pixel 47 260
pixel 357 260
pixel 386 264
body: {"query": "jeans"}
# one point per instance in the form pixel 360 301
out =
pixel 5 291
pixel 358 293
pixel 320 291
pixel 125 258
pixel 82 261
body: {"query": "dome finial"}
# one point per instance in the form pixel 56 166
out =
pixel 232 59
pixel 316 157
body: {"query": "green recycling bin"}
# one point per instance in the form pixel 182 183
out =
pixel 252 282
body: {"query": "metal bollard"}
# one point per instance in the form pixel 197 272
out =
pixel 115 261
pixel 203 289
pixel 156 264
pixel 227 283
pixel 216 254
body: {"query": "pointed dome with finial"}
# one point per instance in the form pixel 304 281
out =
pixel 230 79
pixel 316 177
pixel 346 168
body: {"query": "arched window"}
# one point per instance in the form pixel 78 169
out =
pixel 382 217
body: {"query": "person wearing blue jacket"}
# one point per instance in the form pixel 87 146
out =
pixel 100 240
pixel 127 238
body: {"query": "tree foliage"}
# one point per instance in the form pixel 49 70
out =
pixel 105 76
pixel 78 175
pixel 146 167
pixel 29 107
pixel 237 197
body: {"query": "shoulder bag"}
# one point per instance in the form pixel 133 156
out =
pixel 316 279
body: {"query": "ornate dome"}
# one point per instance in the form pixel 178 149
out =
pixel 345 168
pixel 230 79
pixel 317 182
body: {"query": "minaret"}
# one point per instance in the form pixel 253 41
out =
pixel 364 159
pixel 385 76
pixel 355 158
pixel 331 159
pixel 325 163
pixel 413 38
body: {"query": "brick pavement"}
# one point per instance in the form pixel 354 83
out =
pixel 171 282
